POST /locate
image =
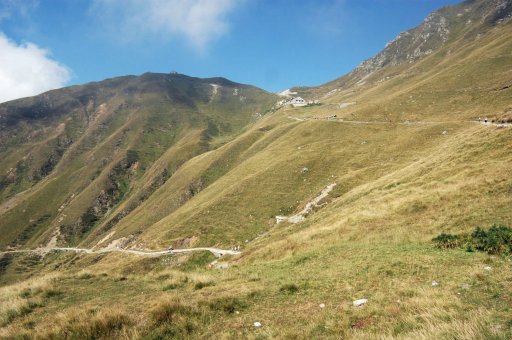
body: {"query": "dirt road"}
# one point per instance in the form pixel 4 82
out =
pixel 215 251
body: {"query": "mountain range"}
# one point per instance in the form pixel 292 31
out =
pixel 330 202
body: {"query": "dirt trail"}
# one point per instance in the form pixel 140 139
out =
pixel 376 122
pixel 314 203
pixel 500 125
pixel 215 251
pixel 360 122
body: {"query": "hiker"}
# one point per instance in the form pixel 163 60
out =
pixel 170 249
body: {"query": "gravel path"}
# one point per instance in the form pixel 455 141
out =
pixel 214 251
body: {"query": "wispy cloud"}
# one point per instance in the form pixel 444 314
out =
pixel 11 9
pixel 198 21
pixel 327 18
pixel 26 70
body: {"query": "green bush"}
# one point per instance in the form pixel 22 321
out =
pixel 446 241
pixel 497 240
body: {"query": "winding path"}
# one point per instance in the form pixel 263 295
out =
pixel 215 251
pixel 376 122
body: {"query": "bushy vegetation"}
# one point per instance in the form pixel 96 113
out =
pixel 497 240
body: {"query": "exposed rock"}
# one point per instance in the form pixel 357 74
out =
pixel 360 302
pixel 296 219
pixel 281 219
pixel 411 45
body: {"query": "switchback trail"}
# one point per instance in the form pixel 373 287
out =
pixel 214 251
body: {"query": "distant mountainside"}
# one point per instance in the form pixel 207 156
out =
pixel 91 144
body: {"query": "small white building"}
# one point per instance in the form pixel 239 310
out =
pixel 298 101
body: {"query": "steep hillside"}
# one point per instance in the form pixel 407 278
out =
pixel 441 33
pixel 71 156
pixel 392 156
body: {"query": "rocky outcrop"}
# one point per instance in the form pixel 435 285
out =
pixel 435 31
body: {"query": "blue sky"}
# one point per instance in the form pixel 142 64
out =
pixel 273 44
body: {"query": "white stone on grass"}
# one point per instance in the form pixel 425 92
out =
pixel 360 302
pixel 435 283
pixel 257 324
pixel 322 305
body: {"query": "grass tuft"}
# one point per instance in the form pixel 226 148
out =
pixel 289 288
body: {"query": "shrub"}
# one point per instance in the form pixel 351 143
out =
pixel 446 241
pixel 496 240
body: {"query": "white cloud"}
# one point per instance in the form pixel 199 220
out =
pixel 27 70
pixel 198 21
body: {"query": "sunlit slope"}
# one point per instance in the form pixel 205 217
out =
pixel 466 77
pixel 108 143
pixel 390 126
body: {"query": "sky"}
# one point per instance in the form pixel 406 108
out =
pixel 272 44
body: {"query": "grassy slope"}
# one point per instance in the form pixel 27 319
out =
pixel 398 186
pixel 159 118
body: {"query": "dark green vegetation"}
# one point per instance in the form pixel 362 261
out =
pixel 145 162
pixel 497 240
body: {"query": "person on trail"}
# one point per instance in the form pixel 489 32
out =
pixel 170 249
